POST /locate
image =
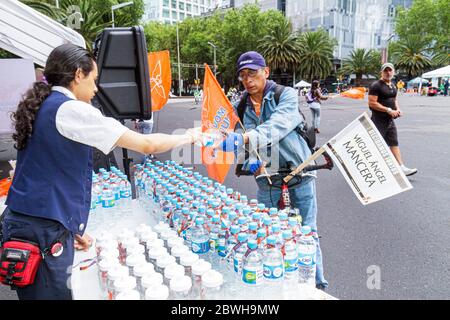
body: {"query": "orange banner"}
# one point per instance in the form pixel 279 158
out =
pixel 217 115
pixel 160 78
pixel 354 93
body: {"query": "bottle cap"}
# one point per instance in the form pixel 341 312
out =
pixel 179 250
pixel 173 271
pixel 200 267
pixel 157 292
pixel 180 284
pixel 165 260
pixel 306 230
pixel 125 283
pixel 144 269
pixel 135 260
pixel 188 260
pixel 129 295
pixel 151 280
pixel 212 279
pixel 156 252
pixel 252 244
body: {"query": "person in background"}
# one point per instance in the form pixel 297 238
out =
pixel 314 100
pixel 56 129
pixel 385 109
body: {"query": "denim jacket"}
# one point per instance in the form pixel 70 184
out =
pixel 274 129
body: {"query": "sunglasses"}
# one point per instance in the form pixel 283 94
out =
pixel 249 74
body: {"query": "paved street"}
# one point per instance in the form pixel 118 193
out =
pixel 406 236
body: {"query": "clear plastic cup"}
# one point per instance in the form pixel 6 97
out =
pixel 134 260
pixel 187 261
pixel 124 284
pixel 114 274
pixel 149 281
pixel 178 251
pixel 166 235
pixel 163 261
pixel 156 253
pixel 157 292
pixel 135 249
pixel 109 254
pixel 174 241
pixel 180 288
pixel 148 236
pixel 160 227
pixel 104 266
pixel 141 229
pixel 199 268
pixel 101 239
pixel 172 271
pixel 141 271
pixel 129 295
pixel 212 286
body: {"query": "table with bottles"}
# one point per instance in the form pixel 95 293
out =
pixel 186 237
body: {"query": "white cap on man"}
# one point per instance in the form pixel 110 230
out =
pixel 387 65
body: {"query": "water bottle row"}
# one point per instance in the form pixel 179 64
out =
pixel 223 227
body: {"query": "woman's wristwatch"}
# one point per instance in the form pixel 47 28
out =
pixel 389 110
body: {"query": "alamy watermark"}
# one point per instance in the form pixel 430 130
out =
pixel 374 277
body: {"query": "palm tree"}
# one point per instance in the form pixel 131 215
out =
pixel 411 55
pixel 441 56
pixel 280 48
pixel 361 62
pixel 316 54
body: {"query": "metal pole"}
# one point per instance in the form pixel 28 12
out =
pixel 179 63
pixel 112 10
pixel 196 75
pixel 215 64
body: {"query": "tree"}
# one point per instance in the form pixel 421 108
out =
pixel 316 54
pixel 411 55
pixel 361 62
pixel 281 48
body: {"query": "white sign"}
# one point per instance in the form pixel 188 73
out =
pixel 16 77
pixel 367 163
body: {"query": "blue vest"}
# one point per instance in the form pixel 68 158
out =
pixel 53 176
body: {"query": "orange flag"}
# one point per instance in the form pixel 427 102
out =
pixel 160 78
pixel 354 93
pixel 217 115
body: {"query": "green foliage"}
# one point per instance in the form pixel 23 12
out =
pixel 411 55
pixel 316 54
pixel 361 62
pixel 429 20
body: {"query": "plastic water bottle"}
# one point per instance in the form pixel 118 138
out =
pixel 253 271
pixel 290 257
pixel 239 251
pixel 108 200
pixel 214 240
pixel 307 257
pixel 125 194
pixel 200 238
pixel 273 265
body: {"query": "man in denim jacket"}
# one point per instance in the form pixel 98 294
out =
pixel 269 130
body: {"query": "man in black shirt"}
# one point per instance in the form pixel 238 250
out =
pixel 384 106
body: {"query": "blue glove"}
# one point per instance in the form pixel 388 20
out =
pixel 254 166
pixel 232 142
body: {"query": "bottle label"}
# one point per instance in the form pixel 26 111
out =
pixel 200 247
pixel 290 264
pixel 238 263
pixel 306 259
pixel 273 272
pixel 108 203
pixel 254 276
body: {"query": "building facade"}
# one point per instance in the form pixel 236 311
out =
pixel 171 11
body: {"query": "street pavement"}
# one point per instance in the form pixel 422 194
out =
pixel 403 240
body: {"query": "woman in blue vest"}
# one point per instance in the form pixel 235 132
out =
pixel 56 130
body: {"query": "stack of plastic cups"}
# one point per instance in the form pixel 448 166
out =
pixel 173 242
pixel 114 274
pixel 129 295
pixel 178 251
pixel 199 268
pixel 180 288
pixel 157 292
pixel 155 252
pixel 141 229
pixel 124 284
pixel 163 261
pixel 166 235
pixel 187 261
pixel 150 281
pixel 147 239
pixel 133 261
pixel 211 287
pixel 104 266
pixel 172 271
pixel 141 271
pixel 104 239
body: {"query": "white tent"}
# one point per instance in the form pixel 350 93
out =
pixel 302 84
pixel 30 34
pixel 438 73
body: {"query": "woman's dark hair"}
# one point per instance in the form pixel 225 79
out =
pixel 315 84
pixel 60 69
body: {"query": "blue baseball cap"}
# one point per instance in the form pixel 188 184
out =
pixel 250 60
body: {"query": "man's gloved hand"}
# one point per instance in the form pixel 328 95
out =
pixel 255 166
pixel 232 142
